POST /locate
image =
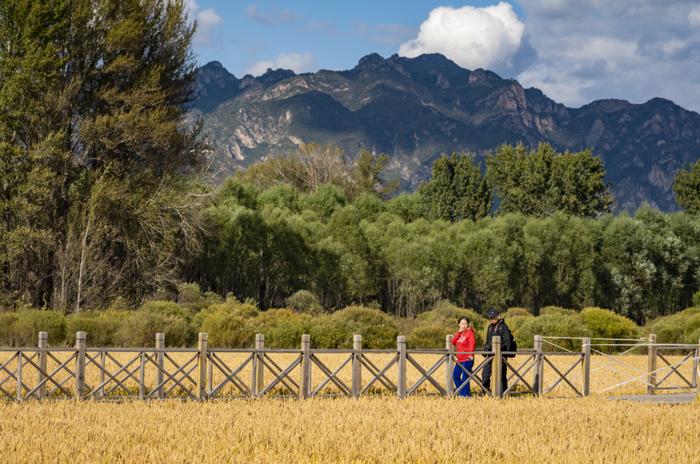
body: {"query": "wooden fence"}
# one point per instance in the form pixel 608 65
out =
pixel 207 373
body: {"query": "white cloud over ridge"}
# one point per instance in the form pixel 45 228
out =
pixel 630 49
pixel 297 62
pixel 488 37
pixel 207 22
pixel 576 51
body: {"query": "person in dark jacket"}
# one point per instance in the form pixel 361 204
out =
pixel 497 327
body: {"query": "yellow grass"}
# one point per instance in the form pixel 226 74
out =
pixel 375 429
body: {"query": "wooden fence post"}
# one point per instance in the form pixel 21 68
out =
pixel 496 366
pixel 43 344
pixel 160 362
pixel 202 346
pixel 449 366
pixel 586 366
pixel 258 372
pixel 651 366
pixel 210 376
pixel 305 366
pixel 18 375
pixel 539 366
pixel 356 365
pixel 80 345
pixel 142 376
pixel 696 366
pixel 103 367
pixel 401 384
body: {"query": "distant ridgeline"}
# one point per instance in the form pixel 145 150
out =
pixel 415 109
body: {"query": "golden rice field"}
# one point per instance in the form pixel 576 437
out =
pixel 375 429
pixel 606 373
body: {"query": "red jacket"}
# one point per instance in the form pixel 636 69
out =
pixel 464 342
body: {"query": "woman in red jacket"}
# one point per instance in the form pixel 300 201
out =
pixel 465 343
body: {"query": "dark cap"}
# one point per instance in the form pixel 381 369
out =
pixel 492 314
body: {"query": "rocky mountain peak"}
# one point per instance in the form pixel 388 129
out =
pixel 483 76
pixel 370 63
pixel 415 109
pixel 273 76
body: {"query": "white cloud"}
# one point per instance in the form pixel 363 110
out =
pixel 694 17
pixel 630 49
pixel 297 62
pixel 207 22
pixel 472 37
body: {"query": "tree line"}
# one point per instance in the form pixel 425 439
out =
pixel 267 244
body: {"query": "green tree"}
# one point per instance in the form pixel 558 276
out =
pixel 95 169
pixel 543 181
pixel 366 174
pixel 457 189
pixel 687 188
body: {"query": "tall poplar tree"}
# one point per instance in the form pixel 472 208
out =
pixel 457 189
pixel 542 181
pixel 95 167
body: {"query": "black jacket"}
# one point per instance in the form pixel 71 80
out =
pixel 502 330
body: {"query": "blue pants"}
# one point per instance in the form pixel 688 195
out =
pixel 460 376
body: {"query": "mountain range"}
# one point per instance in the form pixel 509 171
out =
pixel 415 109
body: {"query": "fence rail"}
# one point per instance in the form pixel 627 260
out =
pixel 207 373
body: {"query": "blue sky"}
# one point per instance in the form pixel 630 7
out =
pixel 336 33
pixel 574 50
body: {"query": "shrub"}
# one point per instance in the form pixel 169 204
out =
pixel 120 304
pixel 139 327
pixel 7 332
pixel 602 323
pixel 694 336
pixel 377 328
pixel 548 310
pixel 101 326
pixel 329 332
pixel 408 206
pixel 227 323
pixel 243 310
pixel 166 308
pixel 427 336
pixel 324 200
pixel 29 322
pixel 304 301
pixel 517 312
pixel 515 317
pixel 280 196
pixel 552 324
pixel 677 328
pixel 369 206
pixel 190 296
pixel 226 328
pixel 282 328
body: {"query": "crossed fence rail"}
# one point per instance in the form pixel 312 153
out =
pixel 206 373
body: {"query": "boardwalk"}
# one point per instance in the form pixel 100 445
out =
pixel 208 373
